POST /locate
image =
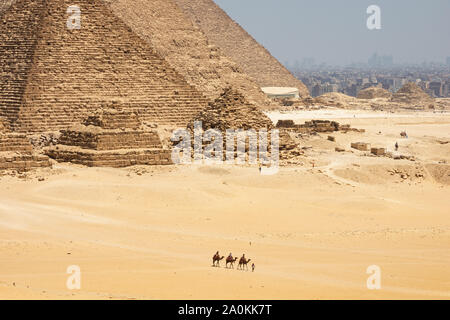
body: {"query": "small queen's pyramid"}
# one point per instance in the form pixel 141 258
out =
pixel 110 138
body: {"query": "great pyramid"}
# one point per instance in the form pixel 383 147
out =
pixel 232 111
pixel 52 77
pixel 163 25
pixel 241 47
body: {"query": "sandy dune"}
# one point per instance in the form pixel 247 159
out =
pixel 150 232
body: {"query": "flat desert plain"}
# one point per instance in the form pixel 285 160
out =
pixel 312 232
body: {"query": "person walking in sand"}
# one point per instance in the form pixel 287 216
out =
pixel 253 267
pixel 396 146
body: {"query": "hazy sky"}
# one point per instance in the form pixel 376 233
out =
pixel 335 31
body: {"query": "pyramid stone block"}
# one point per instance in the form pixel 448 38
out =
pixel 232 111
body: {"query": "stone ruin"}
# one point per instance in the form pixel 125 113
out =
pixel 47 86
pixel 16 152
pixel 110 138
pixel 413 96
pixel 315 126
pixel 378 151
pixel 361 146
pixel 237 44
pixel 186 47
pixel 373 93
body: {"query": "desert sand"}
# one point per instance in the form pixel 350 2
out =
pixel 151 232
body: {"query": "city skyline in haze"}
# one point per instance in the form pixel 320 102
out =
pixel 336 33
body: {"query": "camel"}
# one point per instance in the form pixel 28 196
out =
pixel 230 260
pixel 216 260
pixel 243 262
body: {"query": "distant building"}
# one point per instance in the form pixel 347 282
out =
pixel 424 85
pixel 308 63
pixel 430 92
pixel 436 88
pixel 362 81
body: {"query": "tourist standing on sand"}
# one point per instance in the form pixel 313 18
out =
pixel 396 146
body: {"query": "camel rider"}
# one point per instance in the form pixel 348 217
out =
pixel 230 256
